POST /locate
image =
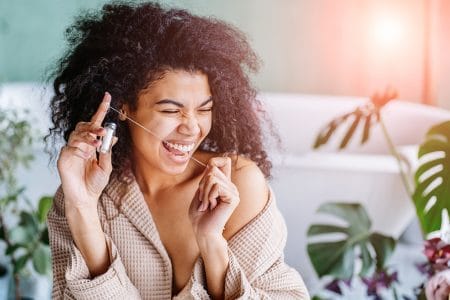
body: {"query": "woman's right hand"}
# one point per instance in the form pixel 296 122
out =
pixel 83 176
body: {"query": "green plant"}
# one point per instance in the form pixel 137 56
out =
pixel 337 257
pixel 430 194
pixel 24 232
pixel 340 246
pixel 432 178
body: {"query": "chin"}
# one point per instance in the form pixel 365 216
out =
pixel 174 170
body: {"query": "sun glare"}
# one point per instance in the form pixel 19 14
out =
pixel 387 31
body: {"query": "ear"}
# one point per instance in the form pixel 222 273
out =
pixel 123 113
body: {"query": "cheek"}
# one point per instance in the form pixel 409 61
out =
pixel 156 128
pixel 164 127
pixel 205 125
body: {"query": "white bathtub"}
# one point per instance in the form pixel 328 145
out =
pixel 304 179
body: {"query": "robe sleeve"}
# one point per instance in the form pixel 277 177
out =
pixel 71 278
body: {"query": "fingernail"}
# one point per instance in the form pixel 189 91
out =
pixel 108 96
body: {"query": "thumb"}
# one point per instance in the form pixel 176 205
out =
pixel 104 159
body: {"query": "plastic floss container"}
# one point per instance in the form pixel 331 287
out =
pixel 107 139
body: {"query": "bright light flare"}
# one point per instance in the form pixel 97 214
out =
pixel 388 31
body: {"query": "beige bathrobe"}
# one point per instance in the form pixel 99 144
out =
pixel 141 267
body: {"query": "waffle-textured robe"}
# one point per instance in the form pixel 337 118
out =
pixel 141 267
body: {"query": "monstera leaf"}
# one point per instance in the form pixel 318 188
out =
pixel 365 115
pixel 361 115
pixel 337 256
pixel 432 193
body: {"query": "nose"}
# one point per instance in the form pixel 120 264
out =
pixel 189 125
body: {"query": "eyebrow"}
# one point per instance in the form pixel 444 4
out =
pixel 170 101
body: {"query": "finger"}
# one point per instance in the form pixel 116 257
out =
pixel 219 174
pixel 205 188
pixel 89 146
pixel 213 195
pixel 81 126
pixel 224 184
pixel 223 163
pixel 207 182
pixel 93 129
pixel 201 184
pixel 104 159
pixel 222 190
pixel 99 116
pixel 90 150
pixel 84 137
pixel 75 151
pixel 211 180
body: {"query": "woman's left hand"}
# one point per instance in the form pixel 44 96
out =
pixel 215 200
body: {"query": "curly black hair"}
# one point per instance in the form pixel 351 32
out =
pixel 123 47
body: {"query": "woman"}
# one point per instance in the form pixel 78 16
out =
pixel 179 208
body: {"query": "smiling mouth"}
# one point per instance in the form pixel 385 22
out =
pixel 178 149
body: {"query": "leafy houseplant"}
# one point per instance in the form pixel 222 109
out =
pixel 432 178
pixel 430 195
pixel 23 228
pixel 340 246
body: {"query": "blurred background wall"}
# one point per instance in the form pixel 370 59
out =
pixel 346 47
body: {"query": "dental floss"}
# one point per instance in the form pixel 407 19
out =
pixel 107 139
pixel 149 131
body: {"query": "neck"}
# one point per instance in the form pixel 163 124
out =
pixel 152 181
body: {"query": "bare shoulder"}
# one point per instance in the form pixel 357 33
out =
pixel 252 186
pixel 253 193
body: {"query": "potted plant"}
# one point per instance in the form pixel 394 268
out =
pixel 430 192
pixel 23 229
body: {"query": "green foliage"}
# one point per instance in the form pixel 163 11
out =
pixel 433 178
pixel 27 237
pixel 41 259
pixel 336 255
pixel 430 196
pixel 44 206
pixel 16 137
pixel 367 115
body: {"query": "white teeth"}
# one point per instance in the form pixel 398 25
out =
pixel 183 148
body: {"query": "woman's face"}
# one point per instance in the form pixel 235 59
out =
pixel 177 110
